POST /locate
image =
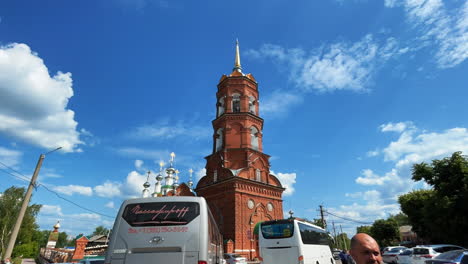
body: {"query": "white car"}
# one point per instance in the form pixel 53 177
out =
pixel 391 255
pixel 234 259
pixel 426 252
pixel 405 257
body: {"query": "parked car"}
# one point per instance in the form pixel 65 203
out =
pixel 427 252
pixel 234 259
pixel 386 249
pixel 452 257
pixel 336 254
pixel 405 257
pixel 92 261
pixel 390 256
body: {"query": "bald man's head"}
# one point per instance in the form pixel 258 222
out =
pixel 365 250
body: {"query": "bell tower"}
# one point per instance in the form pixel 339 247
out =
pixel 238 185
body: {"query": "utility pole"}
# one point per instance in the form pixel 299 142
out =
pixel 334 233
pixel 323 218
pixel 24 206
pixel 344 241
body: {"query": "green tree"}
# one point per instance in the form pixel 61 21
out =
pixel 100 230
pixel 62 240
pixel 10 204
pixel 364 229
pixel 400 218
pixel 342 241
pixel 385 232
pixel 318 222
pixel 443 211
pixel 415 204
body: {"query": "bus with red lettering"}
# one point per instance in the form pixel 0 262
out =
pixel 172 229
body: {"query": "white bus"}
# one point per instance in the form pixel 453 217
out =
pixel 175 229
pixel 291 241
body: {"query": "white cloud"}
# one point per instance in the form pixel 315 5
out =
pixel 445 29
pixel 165 129
pixel 110 205
pixel 396 127
pixel 72 189
pixel 86 216
pixel 200 173
pixel 390 3
pixel 287 180
pixel 372 153
pixel 144 153
pixel 51 210
pixel 134 184
pixel 108 189
pixel 48 173
pixel 10 157
pixel 279 102
pixel 33 104
pixel 412 146
pixel 138 164
pixel 339 66
pixel 370 178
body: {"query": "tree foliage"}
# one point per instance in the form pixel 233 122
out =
pixel 364 229
pixel 27 243
pixel 342 241
pixel 318 222
pixel 440 215
pixel 385 232
pixel 400 218
pixel 100 230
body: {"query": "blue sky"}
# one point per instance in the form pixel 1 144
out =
pixel 352 92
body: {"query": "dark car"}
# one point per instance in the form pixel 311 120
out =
pixel 450 257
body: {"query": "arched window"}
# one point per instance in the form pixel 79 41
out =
pixel 252 105
pixel 215 176
pixel 258 175
pixel 219 139
pixel 236 103
pixel 221 106
pixel 254 138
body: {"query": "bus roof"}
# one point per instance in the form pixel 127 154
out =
pixel 300 220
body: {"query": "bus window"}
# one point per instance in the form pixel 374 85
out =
pixel 311 235
pixel 277 230
pixel 161 213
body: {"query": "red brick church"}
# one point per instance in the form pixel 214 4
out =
pixel 238 185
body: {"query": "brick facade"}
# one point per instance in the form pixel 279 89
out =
pixel 238 185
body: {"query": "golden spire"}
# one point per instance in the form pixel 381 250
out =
pixel 237 63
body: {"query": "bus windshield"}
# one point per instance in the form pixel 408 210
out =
pixel 161 213
pixel 312 235
pixel 277 229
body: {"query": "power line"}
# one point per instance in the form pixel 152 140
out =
pixel 70 201
pixel 11 174
pixel 349 219
pixel 13 169
pixel 40 184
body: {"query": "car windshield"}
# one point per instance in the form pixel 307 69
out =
pixel 395 250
